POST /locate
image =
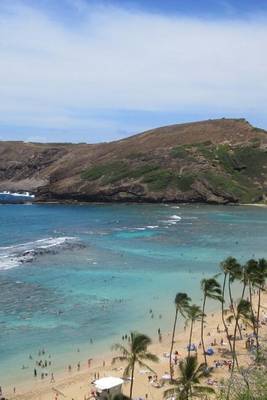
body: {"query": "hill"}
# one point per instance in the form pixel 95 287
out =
pixel 214 161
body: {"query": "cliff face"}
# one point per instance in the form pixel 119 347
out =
pixel 215 161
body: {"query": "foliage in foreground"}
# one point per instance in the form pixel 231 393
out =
pixel 257 386
pixel 135 353
pixel 188 385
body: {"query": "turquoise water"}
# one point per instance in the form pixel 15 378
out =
pixel 120 262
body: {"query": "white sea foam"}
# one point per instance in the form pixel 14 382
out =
pixel 13 256
pixel 175 217
pixel 170 222
pixel 152 226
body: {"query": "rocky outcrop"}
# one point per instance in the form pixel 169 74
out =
pixel 216 161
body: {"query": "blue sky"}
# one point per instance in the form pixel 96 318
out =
pixel 90 71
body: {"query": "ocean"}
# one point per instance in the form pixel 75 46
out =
pixel 75 278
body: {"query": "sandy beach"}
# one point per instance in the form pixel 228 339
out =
pixel 76 385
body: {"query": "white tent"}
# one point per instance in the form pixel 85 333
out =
pixel 108 387
pixel 108 383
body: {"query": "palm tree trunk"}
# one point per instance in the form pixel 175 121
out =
pixel 232 305
pixel 202 329
pixel 234 343
pixel 223 319
pixel 233 358
pixel 236 324
pixel 253 317
pixel 252 313
pixel 190 338
pixel 132 379
pixel 258 320
pixel 172 343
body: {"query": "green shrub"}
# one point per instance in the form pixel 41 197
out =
pixel 254 159
pixel 206 149
pixel 184 182
pixel 110 172
pixel 240 187
pixel 116 171
pixel 239 391
pixel 159 179
pixel 143 170
pixel 225 158
pixel 179 152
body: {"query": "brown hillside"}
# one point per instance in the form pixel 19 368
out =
pixel 215 161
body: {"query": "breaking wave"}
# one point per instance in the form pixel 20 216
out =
pixel 13 256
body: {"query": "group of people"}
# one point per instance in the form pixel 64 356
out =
pixel 223 363
pixel 43 362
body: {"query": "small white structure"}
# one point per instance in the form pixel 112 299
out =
pixel 108 387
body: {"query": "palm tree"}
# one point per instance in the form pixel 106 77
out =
pixel 251 270
pixel 194 314
pixel 188 384
pixel 260 279
pixel 181 305
pixel 226 266
pixel 211 289
pixel 243 312
pixel 235 273
pixel 257 273
pixel 135 353
pixel 236 316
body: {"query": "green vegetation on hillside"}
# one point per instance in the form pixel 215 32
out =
pixel 229 170
pixel 153 175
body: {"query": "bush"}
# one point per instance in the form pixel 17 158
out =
pixel 179 152
pixel 159 179
pixel 110 172
pixel 239 391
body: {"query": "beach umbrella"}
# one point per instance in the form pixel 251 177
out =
pixel 210 351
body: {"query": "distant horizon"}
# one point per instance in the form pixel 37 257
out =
pixel 138 133
pixel 101 70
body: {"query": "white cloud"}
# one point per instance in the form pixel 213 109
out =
pixel 116 59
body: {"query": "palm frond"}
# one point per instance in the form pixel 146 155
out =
pixel 199 389
pixel 172 392
pixel 121 348
pixel 148 356
pixel 144 365
pixel 119 358
pixel 127 371
pixel 230 319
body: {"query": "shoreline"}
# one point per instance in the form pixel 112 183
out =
pixel 76 385
pixel 170 203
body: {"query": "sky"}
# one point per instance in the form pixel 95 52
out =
pixel 100 70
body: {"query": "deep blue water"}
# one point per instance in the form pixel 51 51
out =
pixel 134 258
